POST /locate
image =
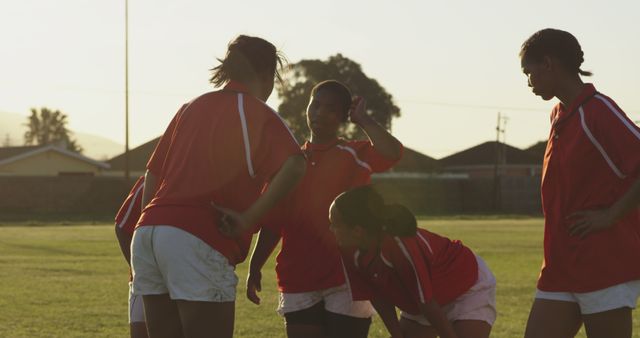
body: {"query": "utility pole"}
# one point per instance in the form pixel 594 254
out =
pixel 500 158
pixel 126 89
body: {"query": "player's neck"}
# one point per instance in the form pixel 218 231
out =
pixel 323 139
pixel 569 90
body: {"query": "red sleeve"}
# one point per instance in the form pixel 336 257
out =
pixel 368 154
pixel 156 161
pixel 412 268
pixel 129 212
pixel 618 136
pixel 276 145
pixel 360 289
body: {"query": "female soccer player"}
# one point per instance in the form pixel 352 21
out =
pixel 440 286
pixel 314 297
pixel 221 148
pixel 590 197
pixel 126 220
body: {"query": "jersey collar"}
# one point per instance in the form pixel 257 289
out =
pixel 236 87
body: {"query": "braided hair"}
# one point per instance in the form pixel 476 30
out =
pixel 557 44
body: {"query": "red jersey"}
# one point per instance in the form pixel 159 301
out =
pixel 131 208
pixel 221 148
pixel 591 161
pixel 409 271
pixel 309 258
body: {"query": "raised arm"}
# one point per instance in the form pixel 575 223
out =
pixel 383 142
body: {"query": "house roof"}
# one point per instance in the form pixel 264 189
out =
pixel 9 152
pixel 414 161
pixel 537 150
pixel 485 154
pixel 13 154
pixel 138 157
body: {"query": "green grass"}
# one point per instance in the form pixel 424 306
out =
pixel 71 281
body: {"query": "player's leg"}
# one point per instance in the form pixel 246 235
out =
pixel 346 318
pixel 137 325
pixel 306 323
pixel 472 328
pixel 162 316
pixel 474 312
pixel 607 312
pixel 160 311
pixel 201 282
pixel 553 319
pixel 615 323
pixel 206 319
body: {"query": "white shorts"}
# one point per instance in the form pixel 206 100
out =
pixel 166 259
pixel 336 300
pixel 614 297
pixel 478 303
pixel 136 308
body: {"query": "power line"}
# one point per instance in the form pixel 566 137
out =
pixel 469 105
pixel 490 107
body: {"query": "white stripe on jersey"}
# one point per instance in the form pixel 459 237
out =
pixel 245 135
pixel 634 130
pixel 386 261
pixel 133 199
pixel 284 123
pixel 425 241
pixel 355 157
pixel 406 254
pixel 598 146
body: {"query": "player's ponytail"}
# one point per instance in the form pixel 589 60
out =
pixel 247 59
pixel 364 206
pixel 399 221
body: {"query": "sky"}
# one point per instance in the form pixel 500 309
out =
pixel 451 66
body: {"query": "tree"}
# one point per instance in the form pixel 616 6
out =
pixel 298 82
pixel 49 127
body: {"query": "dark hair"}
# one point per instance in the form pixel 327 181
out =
pixel 247 58
pixel 365 207
pixel 340 90
pixel 555 43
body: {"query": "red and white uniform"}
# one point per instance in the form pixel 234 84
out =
pixel 127 216
pixel 408 271
pixel 309 259
pixel 591 161
pixel 221 148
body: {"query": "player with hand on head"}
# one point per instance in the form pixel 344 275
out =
pixel 315 299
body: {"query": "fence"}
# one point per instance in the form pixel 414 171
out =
pixel 423 195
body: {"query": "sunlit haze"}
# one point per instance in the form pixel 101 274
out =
pixel 450 65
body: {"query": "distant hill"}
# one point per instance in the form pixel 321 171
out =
pixel 96 147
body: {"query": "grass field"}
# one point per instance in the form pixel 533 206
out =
pixel 71 281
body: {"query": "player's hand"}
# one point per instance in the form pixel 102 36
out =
pixel 590 221
pixel 254 285
pixel 358 110
pixel 231 223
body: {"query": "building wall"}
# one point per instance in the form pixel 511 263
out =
pixel 48 163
